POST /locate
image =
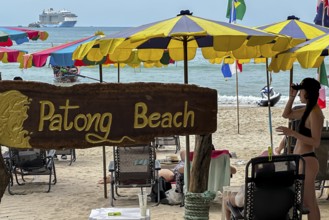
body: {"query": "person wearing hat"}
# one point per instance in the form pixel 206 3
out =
pixel 308 136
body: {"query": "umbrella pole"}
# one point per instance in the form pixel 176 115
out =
pixel 104 151
pixel 237 95
pixel 187 150
pixel 118 72
pixel 291 76
pixel 269 105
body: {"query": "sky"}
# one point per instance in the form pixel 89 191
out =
pixel 128 13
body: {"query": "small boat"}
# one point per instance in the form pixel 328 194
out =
pixel 34 25
pixel 265 93
pixel 66 74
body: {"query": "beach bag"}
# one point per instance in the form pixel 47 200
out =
pixel 164 186
pixel 173 197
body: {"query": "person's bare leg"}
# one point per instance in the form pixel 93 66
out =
pixel 310 202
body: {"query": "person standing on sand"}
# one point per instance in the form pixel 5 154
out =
pixel 308 136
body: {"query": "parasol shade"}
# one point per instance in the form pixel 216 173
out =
pixel 215 38
pixel 19 35
pixel 309 54
pixel 11 55
pixel 300 31
pixel 60 55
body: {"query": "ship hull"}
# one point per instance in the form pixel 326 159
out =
pixel 60 24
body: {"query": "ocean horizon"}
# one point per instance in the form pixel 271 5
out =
pixel 200 71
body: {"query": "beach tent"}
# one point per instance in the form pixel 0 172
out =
pixel 19 35
pixel 181 36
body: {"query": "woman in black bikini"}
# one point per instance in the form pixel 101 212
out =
pixel 308 136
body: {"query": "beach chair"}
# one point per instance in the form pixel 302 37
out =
pixel 134 166
pixel 67 152
pixel 322 153
pixel 274 188
pixel 168 141
pixel 30 162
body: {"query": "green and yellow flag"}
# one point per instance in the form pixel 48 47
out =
pixel 239 9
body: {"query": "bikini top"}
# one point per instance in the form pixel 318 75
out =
pixel 305 131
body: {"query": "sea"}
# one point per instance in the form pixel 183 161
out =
pixel 243 88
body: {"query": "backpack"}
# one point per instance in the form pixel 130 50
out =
pixel 164 186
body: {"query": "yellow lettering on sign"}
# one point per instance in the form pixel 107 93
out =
pixel 81 122
pixel 166 120
pixel 140 111
pixel 187 115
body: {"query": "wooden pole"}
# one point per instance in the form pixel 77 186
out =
pixel 201 163
pixel 237 95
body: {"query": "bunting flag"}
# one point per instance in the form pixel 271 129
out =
pixel 229 69
pixel 239 9
pixel 322 18
pixel 323 79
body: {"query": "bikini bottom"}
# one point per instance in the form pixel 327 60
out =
pixel 310 154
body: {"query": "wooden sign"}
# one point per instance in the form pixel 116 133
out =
pixel 41 115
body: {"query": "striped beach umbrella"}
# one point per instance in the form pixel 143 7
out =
pixel 181 36
pixel 60 55
pixel 309 54
pixel 300 31
pixel 19 35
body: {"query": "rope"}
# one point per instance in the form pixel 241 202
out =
pixel 197 205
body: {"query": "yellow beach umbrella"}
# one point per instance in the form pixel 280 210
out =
pixel 300 31
pixel 309 54
pixel 181 36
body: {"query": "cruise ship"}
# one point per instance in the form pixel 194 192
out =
pixel 61 18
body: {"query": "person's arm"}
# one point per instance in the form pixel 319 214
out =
pixel 288 112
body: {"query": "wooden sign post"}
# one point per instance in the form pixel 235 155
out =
pixel 40 115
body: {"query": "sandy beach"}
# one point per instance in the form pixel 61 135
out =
pixel 77 191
